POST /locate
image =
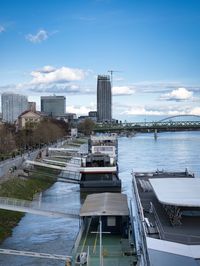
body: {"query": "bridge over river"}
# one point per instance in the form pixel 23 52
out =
pixel 173 123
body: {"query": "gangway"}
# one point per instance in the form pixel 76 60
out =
pixel 54 162
pixel 71 172
pixel 44 209
pixel 35 163
pixel 73 162
pixel 55 167
pixel 64 149
pixel 35 254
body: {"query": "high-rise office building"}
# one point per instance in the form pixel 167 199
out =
pixel 53 105
pixel 12 106
pixel 104 99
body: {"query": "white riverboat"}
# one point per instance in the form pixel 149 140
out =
pixel 168 208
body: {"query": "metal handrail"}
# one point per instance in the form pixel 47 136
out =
pixel 142 250
pixel 166 235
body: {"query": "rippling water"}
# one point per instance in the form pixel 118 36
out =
pixel 171 151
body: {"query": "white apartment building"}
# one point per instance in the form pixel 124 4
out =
pixel 12 106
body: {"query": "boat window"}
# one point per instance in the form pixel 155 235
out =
pixel 111 221
pixel 191 213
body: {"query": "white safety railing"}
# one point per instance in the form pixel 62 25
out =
pixel 34 207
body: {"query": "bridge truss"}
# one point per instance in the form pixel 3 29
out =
pixel 166 124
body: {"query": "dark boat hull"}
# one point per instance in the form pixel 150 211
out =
pixel 100 186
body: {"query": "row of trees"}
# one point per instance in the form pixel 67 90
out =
pixel 47 131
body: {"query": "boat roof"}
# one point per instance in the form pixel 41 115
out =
pixel 109 169
pixel 104 137
pixel 177 191
pixel 105 204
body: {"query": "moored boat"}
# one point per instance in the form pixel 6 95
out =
pixel 106 236
pixel 168 205
pixel 99 169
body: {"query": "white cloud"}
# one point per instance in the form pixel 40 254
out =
pixel 163 86
pixel 159 110
pixel 47 69
pixel 122 90
pixel 79 110
pixel 195 111
pixel 2 29
pixel 60 75
pixel 141 110
pixel 118 79
pixel 54 88
pixel 53 80
pixel 40 36
pixel 180 94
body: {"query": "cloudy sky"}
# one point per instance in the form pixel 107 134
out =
pixel 60 46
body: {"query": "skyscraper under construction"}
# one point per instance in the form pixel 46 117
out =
pixel 104 99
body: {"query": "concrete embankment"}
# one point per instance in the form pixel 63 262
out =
pixel 21 188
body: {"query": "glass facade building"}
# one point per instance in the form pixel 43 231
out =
pixel 104 99
pixel 53 105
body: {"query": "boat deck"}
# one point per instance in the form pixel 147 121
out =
pixel 157 222
pixel 115 250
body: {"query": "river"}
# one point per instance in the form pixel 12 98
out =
pixel 171 151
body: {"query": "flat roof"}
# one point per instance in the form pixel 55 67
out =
pixel 103 137
pixel 109 169
pixel 177 191
pixel 105 204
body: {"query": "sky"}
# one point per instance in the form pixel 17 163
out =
pixel 58 47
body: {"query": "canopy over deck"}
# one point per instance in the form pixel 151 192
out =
pixel 182 192
pixel 105 204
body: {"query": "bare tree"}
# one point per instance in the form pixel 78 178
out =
pixel 86 127
pixel 7 141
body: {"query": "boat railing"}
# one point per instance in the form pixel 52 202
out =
pixel 88 256
pixel 139 227
pixel 157 220
pixel 79 235
pixel 180 238
pixel 69 174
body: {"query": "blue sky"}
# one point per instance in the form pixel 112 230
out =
pixel 60 46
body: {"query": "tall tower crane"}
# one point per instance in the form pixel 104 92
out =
pixel 111 75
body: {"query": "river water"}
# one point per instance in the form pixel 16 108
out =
pixel 171 151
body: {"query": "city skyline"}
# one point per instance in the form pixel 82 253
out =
pixel 60 48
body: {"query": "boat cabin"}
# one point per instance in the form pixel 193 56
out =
pixel 97 160
pixel 99 173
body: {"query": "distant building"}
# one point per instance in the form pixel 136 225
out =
pixel 68 117
pixel 28 119
pixel 53 105
pixel 93 115
pixel 12 106
pixel 82 118
pixel 32 106
pixel 104 99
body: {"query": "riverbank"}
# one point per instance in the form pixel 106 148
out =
pixel 14 186
pixel 20 188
